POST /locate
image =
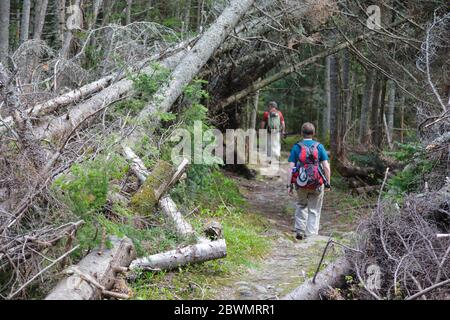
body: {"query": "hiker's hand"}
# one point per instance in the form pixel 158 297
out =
pixel 327 188
pixel 290 191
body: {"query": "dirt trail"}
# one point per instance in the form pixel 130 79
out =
pixel 290 261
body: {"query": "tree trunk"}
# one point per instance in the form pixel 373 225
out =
pixel 156 183
pixel 98 267
pixel 95 10
pixel 391 106
pixel 326 114
pixel 332 276
pixel 335 108
pixel 402 116
pixel 181 226
pixel 375 110
pixel 200 8
pixel 25 21
pixel 197 253
pixel 128 13
pixel 254 110
pixel 39 18
pixel 188 68
pixel 187 16
pixel 4 31
pixel 365 108
pixel 381 115
pixel 61 14
pixel 68 37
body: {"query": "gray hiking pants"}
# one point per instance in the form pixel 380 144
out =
pixel 307 213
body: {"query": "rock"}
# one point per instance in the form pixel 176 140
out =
pixel 260 288
pixel 245 291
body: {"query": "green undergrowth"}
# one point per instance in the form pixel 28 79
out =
pixel 85 193
pixel 412 177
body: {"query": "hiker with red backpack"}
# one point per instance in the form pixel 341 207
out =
pixel 309 174
pixel 273 121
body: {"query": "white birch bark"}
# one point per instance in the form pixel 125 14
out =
pixel 169 260
pixel 182 227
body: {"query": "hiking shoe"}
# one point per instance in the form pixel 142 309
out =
pixel 300 236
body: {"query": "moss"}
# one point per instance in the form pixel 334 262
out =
pixel 145 200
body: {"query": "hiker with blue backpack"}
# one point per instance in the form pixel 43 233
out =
pixel 273 121
pixel 309 174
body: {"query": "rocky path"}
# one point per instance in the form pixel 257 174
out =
pixel 290 261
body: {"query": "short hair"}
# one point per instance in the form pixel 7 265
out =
pixel 272 104
pixel 308 129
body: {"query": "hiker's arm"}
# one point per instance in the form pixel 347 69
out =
pixel 289 174
pixel 283 127
pixel 327 170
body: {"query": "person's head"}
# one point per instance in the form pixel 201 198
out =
pixel 308 130
pixel 272 105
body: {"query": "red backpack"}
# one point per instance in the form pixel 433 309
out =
pixel 306 173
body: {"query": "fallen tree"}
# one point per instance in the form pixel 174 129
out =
pixel 63 100
pixel 331 276
pixel 197 253
pixel 175 217
pixel 96 273
pixel 156 183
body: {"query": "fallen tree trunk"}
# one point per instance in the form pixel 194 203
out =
pixel 257 85
pixel 63 100
pixel 201 252
pixel 182 227
pixel 137 166
pixel 332 276
pixel 156 184
pixel 191 64
pixel 95 273
pixel 65 123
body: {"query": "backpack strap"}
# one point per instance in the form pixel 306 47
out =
pixel 315 148
pixel 302 154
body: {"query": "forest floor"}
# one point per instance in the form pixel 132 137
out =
pixel 289 262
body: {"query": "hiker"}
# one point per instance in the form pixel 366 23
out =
pixel 309 174
pixel 273 121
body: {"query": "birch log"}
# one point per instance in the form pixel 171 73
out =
pixel 96 270
pixel 182 227
pixel 197 253
pixel 137 165
pixel 332 276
